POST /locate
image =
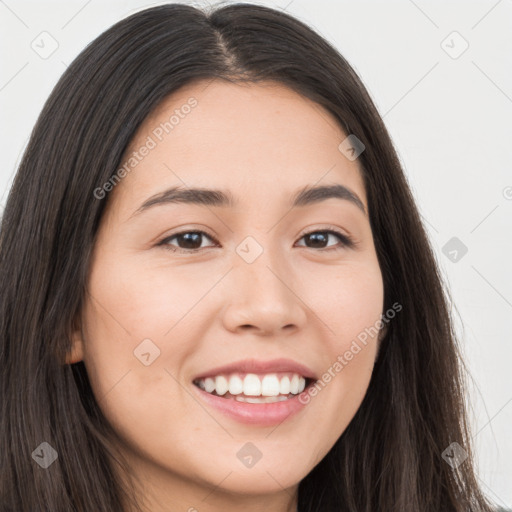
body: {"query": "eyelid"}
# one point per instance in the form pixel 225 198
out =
pixel 347 241
pixel 201 231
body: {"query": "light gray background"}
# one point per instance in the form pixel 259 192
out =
pixel 448 114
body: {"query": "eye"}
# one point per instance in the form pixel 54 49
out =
pixel 322 236
pixel 190 241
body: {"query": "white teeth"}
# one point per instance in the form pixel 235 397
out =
pixel 261 399
pixel 284 387
pixel 294 384
pixel 209 385
pixel 221 385
pixel 270 385
pixel 236 386
pixel 252 385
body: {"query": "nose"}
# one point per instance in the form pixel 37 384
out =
pixel 263 297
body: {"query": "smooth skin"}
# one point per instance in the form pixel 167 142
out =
pixel 300 299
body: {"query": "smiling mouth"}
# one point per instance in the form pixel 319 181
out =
pixel 253 388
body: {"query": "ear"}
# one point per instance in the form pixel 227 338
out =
pixel 76 352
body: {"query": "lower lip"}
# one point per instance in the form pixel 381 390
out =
pixel 254 414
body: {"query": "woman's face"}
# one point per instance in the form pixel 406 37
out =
pixel 264 283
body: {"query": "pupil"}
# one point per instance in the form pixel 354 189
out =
pixel 191 239
pixel 318 236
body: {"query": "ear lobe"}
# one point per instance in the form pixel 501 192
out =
pixel 76 352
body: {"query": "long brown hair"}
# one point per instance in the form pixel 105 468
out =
pixel 390 456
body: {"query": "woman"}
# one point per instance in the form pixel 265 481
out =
pixel 142 370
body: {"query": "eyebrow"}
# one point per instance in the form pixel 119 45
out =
pixel 223 198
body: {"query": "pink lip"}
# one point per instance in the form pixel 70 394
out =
pixel 254 414
pixel 260 367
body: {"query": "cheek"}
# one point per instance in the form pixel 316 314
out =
pixel 350 306
pixel 135 311
pixel 350 302
pixel 151 299
pixel 138 400
pixel 130 304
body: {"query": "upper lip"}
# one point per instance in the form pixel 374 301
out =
pixel 255 366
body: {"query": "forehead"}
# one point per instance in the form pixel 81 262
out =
pixel 250 138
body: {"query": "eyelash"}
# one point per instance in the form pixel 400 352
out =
pixel 346 241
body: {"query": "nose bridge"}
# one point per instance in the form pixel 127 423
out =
pixel 264 296
pixel 261 262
